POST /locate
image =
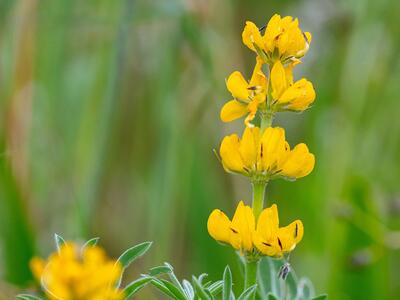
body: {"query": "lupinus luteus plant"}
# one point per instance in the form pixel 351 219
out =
pixel 262 154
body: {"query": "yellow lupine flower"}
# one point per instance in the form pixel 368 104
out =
pixel 238 232
pixel 287 95
pixel 242 234
pixel 75 274
pixel 247 95
pixel 283 40
pixel 265 156
pixel 272 240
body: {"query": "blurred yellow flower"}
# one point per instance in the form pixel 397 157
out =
pixel 238 232
pixel 283 40
pixel 247 95
pixel 265 156
pixel 242 234
pixel 272 240
pixel 287 95
pixel 75 274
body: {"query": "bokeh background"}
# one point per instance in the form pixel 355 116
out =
pixel 110 111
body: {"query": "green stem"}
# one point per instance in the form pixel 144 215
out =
pixel 266 119
pixel 250 273
pixel 258 197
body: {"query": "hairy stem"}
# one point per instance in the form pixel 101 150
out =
pixel 250 273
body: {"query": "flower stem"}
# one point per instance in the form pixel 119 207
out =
pixel 258 197
pixel 266 119
pixel 250 273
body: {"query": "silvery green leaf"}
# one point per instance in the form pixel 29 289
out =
pixel 200 291
pixel 189 291
pixel 216 287
pixel 173 277
pixel 27 297
pixel 91 243
pixel 320 297
pixel 271 297
pixel 305 289
pixel 133 287
pixel 131 255
pixel 162 288
pixel 178 294
pixel 227 287
pixel 248 293
pixel 59 241
pixel 159 270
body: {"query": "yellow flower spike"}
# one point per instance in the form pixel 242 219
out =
pixel 283 39
pixel 238 232
pixel 271 240
pixel 288 95
pixel 248 95
pixel 74 274
pixel 265 156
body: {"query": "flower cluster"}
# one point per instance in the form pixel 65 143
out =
pixel 73 273
pixel 243 234
pixel 262 153
pixel 280 48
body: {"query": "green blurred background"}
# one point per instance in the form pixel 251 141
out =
pixel 110 111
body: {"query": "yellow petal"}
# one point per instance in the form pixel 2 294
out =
pixel 248 148
pixel 233 110
pixel 268 223
pixel 299 96
pixel 272 31
pixel 230 156
pixel 218 226
pixel 37 266
pixel 300 162
pixel 266 248
pixel 251 35
pixel 290 235
pixel 252 108
pixel 243 226
pixel 258 79
pixel 308 37
pixel 278 80
pixel 237 85
pixel 272 148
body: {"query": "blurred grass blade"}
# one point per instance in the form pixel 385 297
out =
pixel 320 297
pixel 17 246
